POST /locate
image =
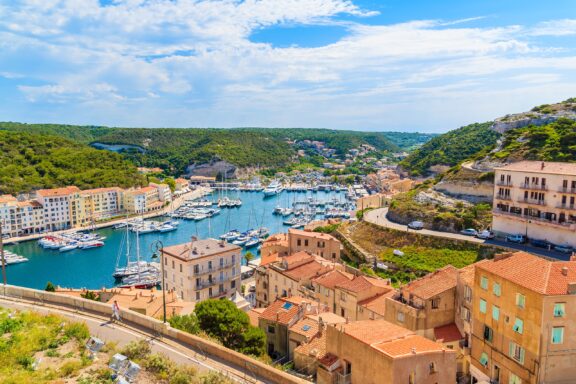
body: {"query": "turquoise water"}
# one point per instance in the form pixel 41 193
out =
pixel 93 268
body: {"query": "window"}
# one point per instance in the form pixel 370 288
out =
pixel 196 268
pixel 495 313
pixel 465 314
pixel 520 300
pixel 518 326
pixel 299 242
pixel 432 368
pixel 233 284
pixel 173 264
pixel 180 267
pixel 557 335
pixel 436 303
pixel 468 294
pixel 488 334
pixel 305 243
pixel 484 359
pixel 342 296
pixel 482 306
pixel 400 317
pixel 271 329
pixel 516 352
pixel 559 309
pixel 412 378
pixel 514 379
pixel 197 296
pixel 496 289
pixel 484 282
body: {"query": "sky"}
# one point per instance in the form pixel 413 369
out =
pixel 372 65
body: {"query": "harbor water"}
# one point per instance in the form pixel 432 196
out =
pixel 93 268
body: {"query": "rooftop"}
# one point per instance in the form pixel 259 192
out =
pixel 409 345
pixel 58 191
pixel 328 318
pixel 533 272
pixel 377 304
pixel 374 331
pixel 541 167
pixel 315 235
pixel 433 283
pixel 333 278
pixel 362 283
pixel 315 347
pixel 199 248
pixel 101 190
pixel 283 311
pixel 7 199
pixel 447 333
pixel 305 327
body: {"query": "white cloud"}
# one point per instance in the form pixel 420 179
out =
pixel 565 27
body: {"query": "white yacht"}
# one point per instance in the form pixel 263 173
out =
pixel 274 188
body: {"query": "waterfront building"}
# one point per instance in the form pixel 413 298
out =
pixel 57 206
pixel 164 192
pixel 20 217
pixel 181 185
pixel 202 269
pixel 321 244
pixel 379 352
pixel 91 205
pixel 273 247
pixel 142 200
pixel 536 199
pixel 524 320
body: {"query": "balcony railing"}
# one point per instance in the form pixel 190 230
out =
pixel 566 206
pixel 538 187
pixel 343 378
pixel 503 197
pixel 532 201
pixel 214 268
pixel 567 190
pixel 504 183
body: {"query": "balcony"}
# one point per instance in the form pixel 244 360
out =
pixel 569 207
pixel 213 269
pixel 567 190
pixel 537 187
pixel 343 378
pixel 532 201
pixel 219 294
pixel 503 197
pixel 209 283
pixel 504 183
pixel 566 224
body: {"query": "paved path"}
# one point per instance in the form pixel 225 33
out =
pixel 122 334
pixel 378 217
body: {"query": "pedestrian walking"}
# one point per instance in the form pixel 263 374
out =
pixel 115 311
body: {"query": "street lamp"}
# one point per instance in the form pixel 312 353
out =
pixel 158 247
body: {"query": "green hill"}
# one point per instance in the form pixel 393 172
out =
pixel 32 162
pixel 450 148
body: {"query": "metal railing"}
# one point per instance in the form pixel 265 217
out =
pixel 504 183
pixel 566 190
pixel 503 197
pixel 534 186
pixel 532 201
pixel 566 206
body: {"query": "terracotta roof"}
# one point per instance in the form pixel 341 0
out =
pixel 447 333
pixel 333 278
pixel 433 284
pixel 141 191
pixel 305 327
pixel 374 331
pixel 306 270
pixel 58 191
pixel 269 259
pixel 7 198
pixel 328 318
pixel 410 345
pixel 315 235
pixel 328 359
pixel 199 248
pixel 315 347
pixel 100 190
pixel 297 258
pixel 362 283
pixel 532 272
pixel 377 304
pixel 277 238
pixel 536 166
pixel 282 311
pixel 254 314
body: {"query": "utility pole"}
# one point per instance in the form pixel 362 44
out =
pixel 2 254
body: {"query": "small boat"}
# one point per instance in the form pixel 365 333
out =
pixel 167 228
pixel 120 225
pixel 241 240
pixel 70 247
pixel 91 244
pixel 273 188
pixel 231 235
pixel 254 241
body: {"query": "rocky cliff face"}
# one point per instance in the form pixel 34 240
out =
pixel 212 169
pixel 538 116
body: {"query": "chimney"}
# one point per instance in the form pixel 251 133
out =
pixel 413 350
pixel 565 271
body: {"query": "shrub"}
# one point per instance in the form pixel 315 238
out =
pixel 186 323
pixel 136 350
pixel 159 365
pixel 78 331
pixel 50 287
pixel 70 368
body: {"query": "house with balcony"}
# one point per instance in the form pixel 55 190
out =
pixel 536 199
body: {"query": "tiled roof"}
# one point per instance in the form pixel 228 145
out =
pixel 297 258
pixel 277 239
pixel 7 198
pixel 199 248
pixel 315 347
pixel 377 304
pixel 269 259
pixel 410 345
pixel 314 235
pixel 58 191
pixel 447 333
pixel 328 318
pixel 333 278
pixel 433 284
pixel 374 331
pixel 100 190
pixel 305 327
pixel 533 272
pixel 361 283
pixel 541 167
pixel 307 270
pixel 282 311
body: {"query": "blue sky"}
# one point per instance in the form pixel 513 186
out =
pixel 366 65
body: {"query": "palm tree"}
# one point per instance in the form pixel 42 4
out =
pixel 249 256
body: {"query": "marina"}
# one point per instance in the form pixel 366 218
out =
pixel 94 266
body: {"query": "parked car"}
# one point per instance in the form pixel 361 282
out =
pixel 469 232
pixel 563 248
pixel 416 225
pixel 485 234
pixel 520 239
pixel 540 243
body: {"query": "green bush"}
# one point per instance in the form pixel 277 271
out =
pixel 50 287
pixel 136 350
pixel 78 331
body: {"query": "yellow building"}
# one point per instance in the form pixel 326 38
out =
pixel 321 244
pixel 536 199
pixel 524 320
pixel 91 205
pixel 142 200
pixel 378 352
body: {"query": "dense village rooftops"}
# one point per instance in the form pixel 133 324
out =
pixel 316 347
pixel 328 318
pixel 199 248
pixel 277 239
pixel 447 333
pixel 410 345
pixel 362 283
pixel 55 192
pixel 541 167
pixel 533 272
pixel 307 271
pixel 333 278
pixel 314 235
pixel 141 191
pixel 269 259
pixel 432 284
pixel 377 304
pixel 374 331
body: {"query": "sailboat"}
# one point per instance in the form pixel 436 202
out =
pixel 132 268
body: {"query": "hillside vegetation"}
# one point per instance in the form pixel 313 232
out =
pixel 450 148
pixel 30 162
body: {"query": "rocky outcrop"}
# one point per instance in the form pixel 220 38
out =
pixel 525 119
pixel 472 183
pixel 212 169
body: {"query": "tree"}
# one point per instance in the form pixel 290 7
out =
pixel 186 323
pixel 254 341
pixel 249 256
pixel 171 183
pixel 50 287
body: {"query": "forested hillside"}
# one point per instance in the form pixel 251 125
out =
pixel 30 162
pixel 451 148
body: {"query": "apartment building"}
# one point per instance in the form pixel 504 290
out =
pixel 321 244
pixel 379 352
pixel 19 218
pixel 275 246
pixel 57 206
pixel 142 200
pixel 202 269
pixel 524 320
pixel 164 192
pixel 92 205
pixel 536 199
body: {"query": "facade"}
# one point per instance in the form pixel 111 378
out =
pixel 276 244
pixel 181 185
pixel 524 320
pixel 202 269
pixel 321 244
pixel 378 352
pixel 92 205
pixel 19 218
pixel 142 200
pixel 57 205
pixel 536 199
